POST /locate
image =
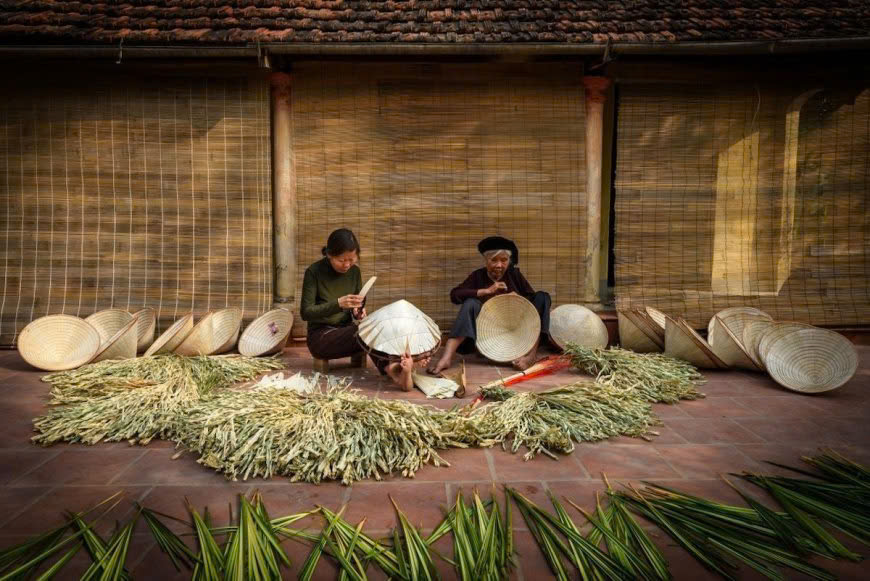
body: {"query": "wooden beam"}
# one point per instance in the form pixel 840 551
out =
pixel 596 94
pixel 284 193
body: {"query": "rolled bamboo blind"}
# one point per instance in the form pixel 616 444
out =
pixel 133 191
pixel 744 195
pixel 424 160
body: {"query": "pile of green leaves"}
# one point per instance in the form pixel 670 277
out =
pixel 653 377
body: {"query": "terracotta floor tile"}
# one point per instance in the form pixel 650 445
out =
pixel 157 467
pixel 156 566
pixel 790 454
pixel 850 401
pixel 15 500
pixel 712 431
pixel 82 466
pixel 719 407
pixel 16 463
pixel 625 462
pixel 681 564
pixel 15 432
pixel 706 461
pixel 298 551
pixel 665 411
pixel 795 406
pixel 581 493
pixel 510 466
pixel 423 503
pixel 788 431
pixel 531 560
pixel 172 500
pixel 48 511
pixel 847 431
pixel 468 464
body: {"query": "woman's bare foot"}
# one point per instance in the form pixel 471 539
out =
pixel 400 373
pixel 526 360
pixel 446 360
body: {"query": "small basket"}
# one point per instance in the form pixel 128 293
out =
pixel 811 360
pixel 507 328
pixel 171 337
pixel 122 345
pixel 577 324
pixel 146 328
pixel 108 322
pixel 58 342
pixel 267 334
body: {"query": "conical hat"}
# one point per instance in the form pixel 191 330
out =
pixel 753 331
pixel 266 334
pixel 632 337
pixel 701 343
pixel 58 342
pixel 811 360
pixel 172 337
pixel 146 327
pixel 122 345
pixel 225 324
pixel 200 340
pixel 399 326
pixel 728 348
pixel 645 323
pixel 577 324
pixel 507 327
pixel 658 318
pixel 776 331
pixel 108 322
pixel 735 318
pixel 679 343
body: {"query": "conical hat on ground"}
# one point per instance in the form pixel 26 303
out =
pixel 702 343
pixel 398 327
pixel 632 337
pixel 108 322
pixel 728 348
pixel 172 337
pixel 679 343
pixel 58 342
pixel 776 331
pixel 753 331
pixel 507 328
pixel 122 345
pixel 226 324
pixel 200 340
pixel 146 327
pixel 735 318
pixel 577 324
pixel 645 323
pixel 811 360
pixel 658 318
pixel 267 333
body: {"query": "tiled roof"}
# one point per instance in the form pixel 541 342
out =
pixel 161 22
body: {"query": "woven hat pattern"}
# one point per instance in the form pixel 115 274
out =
pixel 225 328
pixel 811 360
pixel 122 345
pixel 577 324
pixel 507 328
pixel 58 342
pixel 108 322
pixel 753 331
pixel 266 334
pixel 146 328
pixel 200 340
pixel 172 337
pixel 398 327
pixel 776 331
pixel 735 318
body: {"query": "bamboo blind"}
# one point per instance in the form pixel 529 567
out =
pixel 744 195
pixel 421 161
pixel 131 192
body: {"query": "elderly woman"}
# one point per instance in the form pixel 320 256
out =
pixel 331 302
pixel 499 275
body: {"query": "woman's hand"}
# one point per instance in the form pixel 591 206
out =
pixel 359 314
pixel 350 302
pixel 493 289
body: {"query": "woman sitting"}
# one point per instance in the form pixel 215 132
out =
pixel 498 276
pixel 331 302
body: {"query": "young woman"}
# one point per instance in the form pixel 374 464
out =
pixel 331 302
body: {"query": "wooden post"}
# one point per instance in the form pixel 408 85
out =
pixel 596 94
pixel 283 194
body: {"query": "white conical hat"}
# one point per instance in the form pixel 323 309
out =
pixel 397 326
pixel 577 324
pixel 728 347
pixel 632 337
pixel 680 343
